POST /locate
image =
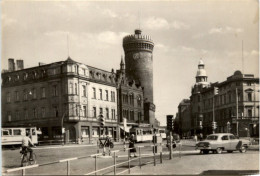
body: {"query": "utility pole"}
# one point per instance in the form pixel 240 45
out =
pixel 213 131
pixel 237 109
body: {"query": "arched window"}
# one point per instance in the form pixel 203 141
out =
pixel 139 102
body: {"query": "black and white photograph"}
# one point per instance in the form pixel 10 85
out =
pixel 149 87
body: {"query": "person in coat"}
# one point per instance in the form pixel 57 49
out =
pixel 132 145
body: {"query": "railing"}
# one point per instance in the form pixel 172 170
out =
pixel 115 164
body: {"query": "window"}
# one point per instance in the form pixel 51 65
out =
pixel 34 93
pixel 107 113
pixel 84 132
pixel 9 116
pixel 139 101
pixel 17 115
pixel 76 88
pixel 43 112
pixel 84 91
pixel 106 95
pixel 249 83
pixel 224 138
pixel 55 91
pixel 140 117
pixel 8 97
pixel 25 114
pixel 100 94
pixel 16 96
pixel 232 137
pixel 94 112
pixel 34 113
pixel 249 112
pixel 131 99
pixel 71 88
pixel 94 93
pixel 84 71
pixel 113 96
pixel 84 111
pixel 100 111
pixel 17 132
pixel 43 92
pixel 132 115
pixel 249 96
pixel 113 113
pixel 55 111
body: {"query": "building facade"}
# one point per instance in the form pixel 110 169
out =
pixel 130 101
pixel 57 96
pixel 236 105
pixel 233 104
pixel 184 123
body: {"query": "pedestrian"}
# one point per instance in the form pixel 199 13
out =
pixel 201 136
pixel 195 138
pixel 132 145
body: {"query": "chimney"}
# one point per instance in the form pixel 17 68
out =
pixel 19 64
pixel 11 64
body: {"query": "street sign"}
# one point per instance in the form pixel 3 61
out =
pixel 234 120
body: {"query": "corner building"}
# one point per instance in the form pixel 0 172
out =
pixel 60 95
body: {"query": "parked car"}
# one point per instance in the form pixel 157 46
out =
pixel 219 142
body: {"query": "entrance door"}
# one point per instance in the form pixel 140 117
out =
pixel 72 134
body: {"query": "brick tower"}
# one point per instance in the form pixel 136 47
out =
pixel 139 66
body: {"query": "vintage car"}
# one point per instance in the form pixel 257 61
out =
pixel 221 141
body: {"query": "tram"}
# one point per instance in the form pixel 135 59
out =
pixel 13 135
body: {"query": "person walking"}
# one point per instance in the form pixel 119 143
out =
pixel 132 145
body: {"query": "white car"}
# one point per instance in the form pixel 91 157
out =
pixel 219 142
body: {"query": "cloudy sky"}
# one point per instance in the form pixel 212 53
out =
pixel 183 32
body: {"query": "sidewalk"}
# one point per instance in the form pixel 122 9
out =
pixel 194 164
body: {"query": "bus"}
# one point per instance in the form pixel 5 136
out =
pixel 13 135
pixel 142 134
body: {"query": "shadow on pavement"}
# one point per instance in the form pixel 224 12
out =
pixel 230 172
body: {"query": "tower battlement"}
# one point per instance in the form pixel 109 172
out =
pixel 138 41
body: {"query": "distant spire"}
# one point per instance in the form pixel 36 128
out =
pixel 122 64
pixel 68 45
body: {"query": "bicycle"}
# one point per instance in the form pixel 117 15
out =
pixel 25 158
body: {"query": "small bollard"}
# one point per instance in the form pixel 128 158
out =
pixel 114 163
pixel 68 167
pixel 161 157
pixel 154 156
pixel 95 164
pixel 129 161
pixel 180 150
pixel 23 172
pixel 140 164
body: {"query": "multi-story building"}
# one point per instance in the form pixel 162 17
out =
pixel 60 95
pixel 195 98
pixel 236 105
pixel 184 123
pixel 233 104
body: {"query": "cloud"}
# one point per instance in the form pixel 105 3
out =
pixel 179 25
pixel 110 37
pixel 110 13
pixel 254 52
pixel 227 29
pixel 156 23
pixel 161 46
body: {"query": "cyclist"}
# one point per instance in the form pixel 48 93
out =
pixel 26 142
